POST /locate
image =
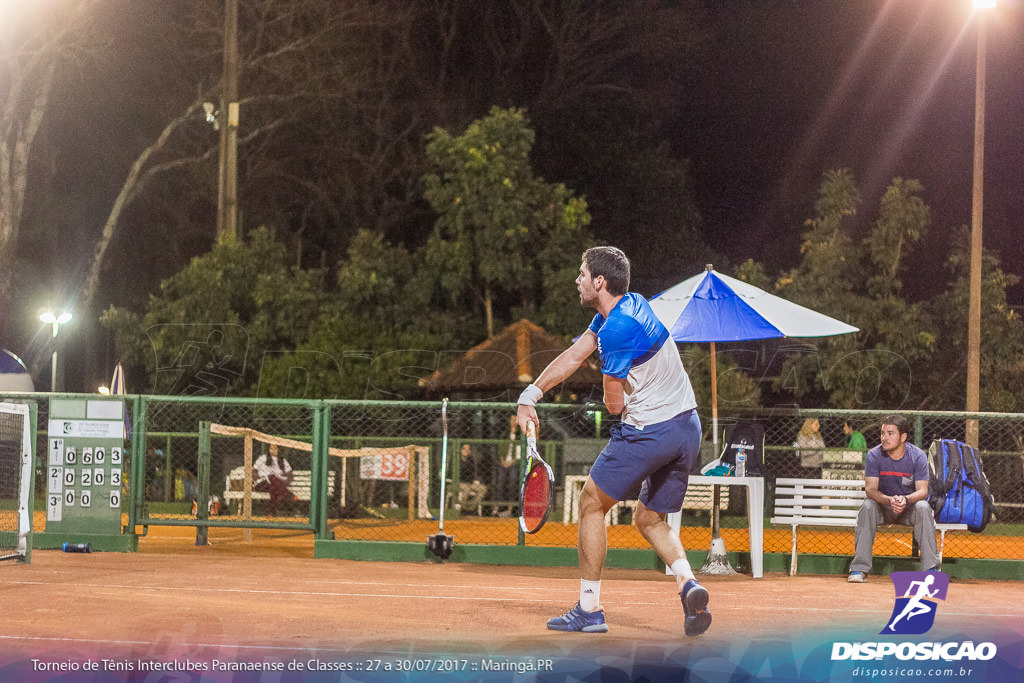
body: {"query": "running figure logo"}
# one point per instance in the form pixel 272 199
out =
pixel 916 596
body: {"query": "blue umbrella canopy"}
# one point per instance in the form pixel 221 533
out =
pixel 712 307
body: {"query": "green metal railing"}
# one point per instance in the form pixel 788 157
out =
pixel 173 461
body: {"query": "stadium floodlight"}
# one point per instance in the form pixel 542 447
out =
pixel 50 318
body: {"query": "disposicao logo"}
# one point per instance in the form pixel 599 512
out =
pixel 916 596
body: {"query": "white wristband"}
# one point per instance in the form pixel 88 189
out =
pixel 530 395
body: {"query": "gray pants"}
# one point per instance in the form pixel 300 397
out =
pixel 872 514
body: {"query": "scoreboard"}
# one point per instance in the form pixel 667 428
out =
pixel 85 466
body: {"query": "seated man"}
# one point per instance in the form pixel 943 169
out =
pixel 273 474
pixel 896 485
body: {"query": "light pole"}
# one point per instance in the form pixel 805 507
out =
pixel 227 195
pixel 974 296
pixel 55 320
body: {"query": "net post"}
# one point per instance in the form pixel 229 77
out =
pixel 33 420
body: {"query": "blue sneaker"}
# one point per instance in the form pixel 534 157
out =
pixel 857 577
pixel 577 619
pixel 695 608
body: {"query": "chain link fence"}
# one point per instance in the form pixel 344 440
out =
pixel 372 471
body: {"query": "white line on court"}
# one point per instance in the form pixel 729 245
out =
pixel 160 643
pixel 724 601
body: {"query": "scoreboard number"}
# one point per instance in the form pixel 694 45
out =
pixel 55 480
pixel 54 508
pixel 56 451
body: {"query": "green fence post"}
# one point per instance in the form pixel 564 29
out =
pixel 168 473
pixel 203 484
pixel 318 471
pixel 919 432
pixel 455 462
pixel 137 472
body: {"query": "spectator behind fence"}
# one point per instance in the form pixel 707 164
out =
pixel 856 442
pixel 810 443
pixel 472 493
pixel 506 482
pixel 896 485
pixel 273 475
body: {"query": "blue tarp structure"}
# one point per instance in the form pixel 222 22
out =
pixel 13 374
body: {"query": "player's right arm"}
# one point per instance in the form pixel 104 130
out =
pixel 554 374
pixel 872 492
pixel 895 503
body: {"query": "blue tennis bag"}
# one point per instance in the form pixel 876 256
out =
pixel 958 491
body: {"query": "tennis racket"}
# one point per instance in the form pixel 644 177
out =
pixel 538 491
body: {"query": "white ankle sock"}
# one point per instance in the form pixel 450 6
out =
pixel 590 595
pixel 681 568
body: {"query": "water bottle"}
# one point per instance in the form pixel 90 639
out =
pixel 741 464
pixel 77 548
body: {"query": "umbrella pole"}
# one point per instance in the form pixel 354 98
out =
pixel 715 529
pixel 717 562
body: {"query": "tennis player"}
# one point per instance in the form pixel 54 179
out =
pixel 653 447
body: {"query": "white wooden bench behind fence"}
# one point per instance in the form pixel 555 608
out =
pixel 827 502
pixel 234 486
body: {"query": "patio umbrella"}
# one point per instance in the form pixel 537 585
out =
pixel 711 307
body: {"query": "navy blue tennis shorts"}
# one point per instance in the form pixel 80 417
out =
pixel 656 460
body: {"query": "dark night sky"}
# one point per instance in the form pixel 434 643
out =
pixel 884 87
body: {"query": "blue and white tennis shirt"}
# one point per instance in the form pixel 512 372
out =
pixel 634 345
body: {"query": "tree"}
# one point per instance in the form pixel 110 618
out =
pixel 1002 344
pixel 190 342
pixel 877 365
pixel 501 232
pixel 322 78
pixel 35 38
pixel 336 99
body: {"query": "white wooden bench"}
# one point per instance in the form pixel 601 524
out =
pixel 234 486
pixel 827 502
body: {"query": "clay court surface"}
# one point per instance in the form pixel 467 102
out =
pixel 268 597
